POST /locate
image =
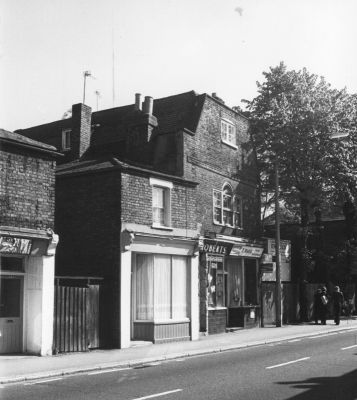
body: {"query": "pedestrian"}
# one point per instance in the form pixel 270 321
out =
pixel 337 303
pixel 324 305
pixel 317 305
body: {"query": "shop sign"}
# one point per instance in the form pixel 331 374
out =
pixel 246 251
pixel 14 245
pixel 217 248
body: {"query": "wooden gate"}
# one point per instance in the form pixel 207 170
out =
pixel 76 317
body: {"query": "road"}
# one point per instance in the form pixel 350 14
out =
pixel 311 368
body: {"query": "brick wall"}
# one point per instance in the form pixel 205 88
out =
pixel 212 163
pixel 88 222
pixel 137 202
pixel 27 188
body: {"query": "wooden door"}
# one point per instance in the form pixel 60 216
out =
pixel 10 314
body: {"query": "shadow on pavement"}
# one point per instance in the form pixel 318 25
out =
pixel 343 387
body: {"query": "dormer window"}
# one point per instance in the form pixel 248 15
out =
pixel 228 133
pixel 66 139
pixel 227 208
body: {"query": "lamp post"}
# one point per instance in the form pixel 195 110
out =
pixel 277 250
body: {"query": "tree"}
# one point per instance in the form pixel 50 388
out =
pixel 294 120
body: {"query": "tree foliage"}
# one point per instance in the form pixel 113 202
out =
pixel 294 120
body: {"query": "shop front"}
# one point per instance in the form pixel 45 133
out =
pixel 26 292
pixel 159 278
pixel 229 295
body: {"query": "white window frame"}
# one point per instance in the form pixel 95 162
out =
pixel 228 133
pixel 172 318
pixel 237 208
pixel 167 186
pixel 66 139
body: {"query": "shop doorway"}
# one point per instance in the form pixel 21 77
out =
pixel 10 314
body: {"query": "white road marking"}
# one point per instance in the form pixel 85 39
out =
pixel 43 381
pixel 294 340
pixel 151 396
pixel 104 371
pixel 349 347
pixel 287 363
pixel 325 334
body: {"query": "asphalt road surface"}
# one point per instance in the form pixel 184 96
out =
pixel 317 367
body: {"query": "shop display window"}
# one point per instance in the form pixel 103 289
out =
pixel 161 284
pixel 216 282
pixel 243 282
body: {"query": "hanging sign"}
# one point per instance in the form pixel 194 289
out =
pixel 14 245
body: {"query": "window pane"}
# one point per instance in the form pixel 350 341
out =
pixel 227 201
pixel 217 196
pixel 162 287
pixel 158 216
pixel 159 205
pixel 179 287
pixel 218 215
pixel 10 296
pixel 228 217
pixel 144 287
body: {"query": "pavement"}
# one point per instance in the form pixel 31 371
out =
pixel 20 368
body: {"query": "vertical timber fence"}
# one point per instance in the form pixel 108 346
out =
pixel 76 314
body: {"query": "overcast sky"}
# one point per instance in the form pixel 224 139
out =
pixel 161 48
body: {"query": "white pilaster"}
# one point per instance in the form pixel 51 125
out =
pixel 195 323
pixel 125 299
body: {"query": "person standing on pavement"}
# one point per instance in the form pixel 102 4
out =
pixel 317 305
pixel 337 303
pixel 324 305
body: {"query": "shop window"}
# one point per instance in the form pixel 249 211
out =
pixel 227 208
pixel 228 133
pixel 243 282
pixel 161 202
pixel 13 264
pixel 66 139
pixel 161 287
pixel 216 282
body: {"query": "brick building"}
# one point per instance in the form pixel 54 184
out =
pixel 128 204
pixel 27 244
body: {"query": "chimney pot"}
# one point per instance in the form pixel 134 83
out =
pixel 137 102
pixel 148 105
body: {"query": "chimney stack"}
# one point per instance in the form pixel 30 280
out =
pixel 81 129
pixel 137 102
pixel 148 105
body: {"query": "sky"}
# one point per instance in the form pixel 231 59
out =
pixel 160 48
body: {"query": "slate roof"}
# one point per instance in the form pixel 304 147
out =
pixel 15 138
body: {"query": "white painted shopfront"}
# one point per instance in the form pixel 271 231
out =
pixel 26 291
pixel 159 279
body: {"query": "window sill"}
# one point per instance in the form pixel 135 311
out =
pixel 216 308
pixel 228 226
pixel 166 228
pixel 230 144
